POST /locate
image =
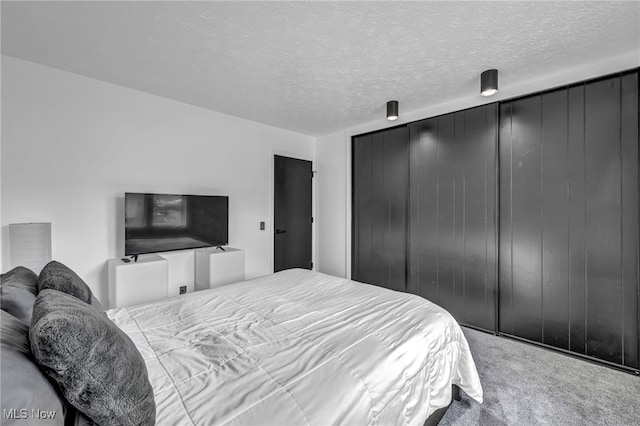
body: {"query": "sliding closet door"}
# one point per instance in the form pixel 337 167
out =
pixel 452 225
pixel 379 228
pixel 569 219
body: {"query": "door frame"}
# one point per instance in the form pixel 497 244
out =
pixel 269 226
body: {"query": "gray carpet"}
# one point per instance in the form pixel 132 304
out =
pixel 527 385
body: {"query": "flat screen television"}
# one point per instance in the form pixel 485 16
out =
pixel 167 222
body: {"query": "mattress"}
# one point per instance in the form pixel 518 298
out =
pixel 299 347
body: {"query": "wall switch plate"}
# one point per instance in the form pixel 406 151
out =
pixel 183 289
pixel 262 226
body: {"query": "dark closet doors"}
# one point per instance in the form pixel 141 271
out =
pixel 452 228
pixel 428 191
pixel 380 187
pixel 569 219
pixel 564 166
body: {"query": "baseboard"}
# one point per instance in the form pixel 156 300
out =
pixel 583 357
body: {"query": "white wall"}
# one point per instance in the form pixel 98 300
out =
pixel 1 133
pixel 333 154
pixel 331 184
pixel 72 146
pixel 1 227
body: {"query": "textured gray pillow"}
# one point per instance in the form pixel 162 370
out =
pixel 97 367
pixel 24 386
pixel 57 276
pixel 76 418
pixel 18 290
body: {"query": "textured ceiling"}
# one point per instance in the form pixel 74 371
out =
pixel 315 67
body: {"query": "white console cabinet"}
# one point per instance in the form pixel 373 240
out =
pixel 215 267
pixel 133 283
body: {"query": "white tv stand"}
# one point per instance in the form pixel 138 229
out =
pixel 215 267
pixel 133 283
pixel 147 280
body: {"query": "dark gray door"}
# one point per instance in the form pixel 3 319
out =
pixel 452 221
pixel 292 213
pixel 380 188
pixel 569 218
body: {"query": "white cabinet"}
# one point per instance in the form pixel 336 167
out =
pixel 133 283
pixel 216 267
pixel 147 280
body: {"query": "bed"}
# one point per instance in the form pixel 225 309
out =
pixel 299 347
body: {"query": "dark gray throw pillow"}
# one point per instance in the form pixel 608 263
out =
pixel 57 276
pixel 27 396
pixel 97 367
pixel 18 290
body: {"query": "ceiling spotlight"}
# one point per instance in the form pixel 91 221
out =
pixel 489 82
pixel 392 110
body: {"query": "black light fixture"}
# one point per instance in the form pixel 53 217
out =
pixel 392 110
pixel 489 82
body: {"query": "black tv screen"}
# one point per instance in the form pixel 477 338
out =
pixel 166 222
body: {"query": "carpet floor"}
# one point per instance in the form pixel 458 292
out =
pixel 528 385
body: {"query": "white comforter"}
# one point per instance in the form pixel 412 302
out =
pixel 299 347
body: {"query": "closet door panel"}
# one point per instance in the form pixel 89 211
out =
pixel 396 183
pixel 423 217
pixel 505 234
pixel 478 155
pixel 452 235
pixel 446 177
pixel 577 193
pixel 458 148
pixel 630 230
pixel 491 166
pixel 603 220
pixel 378 268
pixel 361 178
pixel 555 220
pixel 380 188
pixel 569 218
pixel 524 149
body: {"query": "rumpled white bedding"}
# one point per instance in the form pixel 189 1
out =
pixel 299 347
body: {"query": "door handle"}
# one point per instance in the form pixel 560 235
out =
pixel 280 231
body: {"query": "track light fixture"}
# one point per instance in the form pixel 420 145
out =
pixel 392 110
pixel 489 82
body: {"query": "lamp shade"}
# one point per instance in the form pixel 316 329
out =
pixel 30 245
pixel 392 110
pixel 489 82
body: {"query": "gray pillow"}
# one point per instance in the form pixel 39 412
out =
pixel 57 276
pixel 97 367
pixel 76 418
pixel 24 386
pixel 18 290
